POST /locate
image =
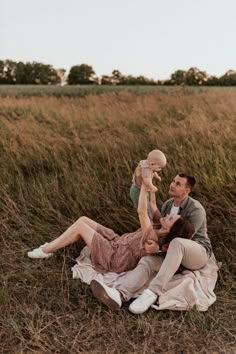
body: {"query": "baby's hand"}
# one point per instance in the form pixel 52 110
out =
pixel 157 177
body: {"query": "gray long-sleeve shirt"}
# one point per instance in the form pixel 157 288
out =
pixel 192 210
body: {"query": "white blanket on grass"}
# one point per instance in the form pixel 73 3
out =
pixel 184 291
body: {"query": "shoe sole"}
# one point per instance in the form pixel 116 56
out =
pixel 100 294
pixel 36 257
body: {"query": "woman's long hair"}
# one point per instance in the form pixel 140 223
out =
pixel 182 228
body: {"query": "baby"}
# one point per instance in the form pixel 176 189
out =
pixel 145 172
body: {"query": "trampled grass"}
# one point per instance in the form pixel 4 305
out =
pixel 65 157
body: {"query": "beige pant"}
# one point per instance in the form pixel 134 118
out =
pixel 181 251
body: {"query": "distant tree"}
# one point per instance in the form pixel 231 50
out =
pixel 7 72
pixel 212 81
pixel 141 80
pixel 167 82
pixel 36 74
pixel 178 77
pixel 10 68
pixel 2 78
pixel 81 74
pixel 24 74
pixel 133 80
pixel 228 79
pixel 127 80
pixel 44 74
pixel 194 76
pixel 116 77
pixel 106 80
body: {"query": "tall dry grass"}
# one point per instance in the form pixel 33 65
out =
pixel 66 157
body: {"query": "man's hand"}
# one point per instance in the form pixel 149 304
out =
pixel 151 247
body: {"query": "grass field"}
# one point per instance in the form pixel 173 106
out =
pixel 83 90
pixel 64 157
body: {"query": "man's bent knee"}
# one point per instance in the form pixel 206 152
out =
pixel 176 242
pixel 81 219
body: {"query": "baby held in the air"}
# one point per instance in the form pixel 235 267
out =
pixel 145 172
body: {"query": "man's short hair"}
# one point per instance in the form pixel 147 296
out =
pixel 191 180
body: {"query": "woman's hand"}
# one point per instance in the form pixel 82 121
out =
pixel 151 247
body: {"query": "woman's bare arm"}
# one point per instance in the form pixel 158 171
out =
pixel 153 204
pixel 153 207
pixel 142 209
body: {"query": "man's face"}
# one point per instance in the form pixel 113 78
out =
pixel 178 187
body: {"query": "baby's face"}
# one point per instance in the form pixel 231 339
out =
pixel 156 160
pixel 156 166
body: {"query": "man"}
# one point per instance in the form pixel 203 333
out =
pixel 192 254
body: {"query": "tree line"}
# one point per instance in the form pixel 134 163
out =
pixel 34 73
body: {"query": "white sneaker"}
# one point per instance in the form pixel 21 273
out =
pixel 108 296
pixel 39 253
pixel 143 302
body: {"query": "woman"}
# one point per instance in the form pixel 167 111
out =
pixel 111 252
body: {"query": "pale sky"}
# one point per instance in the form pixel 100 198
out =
pixel 138 37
